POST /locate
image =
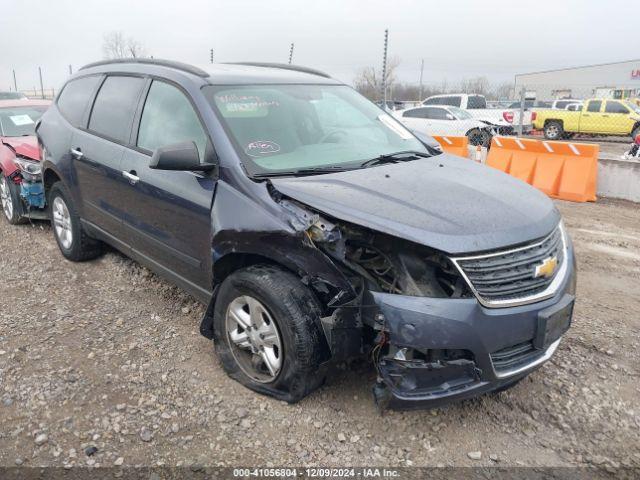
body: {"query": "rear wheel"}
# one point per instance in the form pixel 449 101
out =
pixel 72 240
pixel 10 199
pixel 553 130
pixel 266 332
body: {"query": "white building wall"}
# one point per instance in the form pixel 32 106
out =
pixel 581 82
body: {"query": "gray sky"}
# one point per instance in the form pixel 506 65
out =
pixel 457 38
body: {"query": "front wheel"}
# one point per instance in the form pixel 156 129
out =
pixel 10 199
pixel 480 137
pixel 72 240
pixel 267 334
pixel 553 130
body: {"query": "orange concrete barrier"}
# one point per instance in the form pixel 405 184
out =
pixel 454 145
pixel 563 170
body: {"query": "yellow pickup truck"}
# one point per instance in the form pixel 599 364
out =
pixel 598 116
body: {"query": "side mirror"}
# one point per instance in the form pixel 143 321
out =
pixel 450 117
pixel 181 156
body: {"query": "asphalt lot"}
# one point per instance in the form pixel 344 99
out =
pixel 107 355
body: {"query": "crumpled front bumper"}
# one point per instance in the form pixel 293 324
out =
pixel 505 344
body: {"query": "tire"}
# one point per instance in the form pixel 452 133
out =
pixel 295 313
pixel 73 241
pixel 477 137
pixel 10 202
pixel 553 130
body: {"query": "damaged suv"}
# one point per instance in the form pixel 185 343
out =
pixel 314 225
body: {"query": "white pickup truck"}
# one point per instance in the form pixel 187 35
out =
pixel 504 121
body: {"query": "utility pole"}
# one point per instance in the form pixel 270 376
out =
pixel 523 98
pixel 421 73
pixel 70 70
pixel 15 83
pixel 291 53
pixel 41 85
pixel 384 68
pixel 211 55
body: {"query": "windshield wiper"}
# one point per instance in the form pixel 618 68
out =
pixel 304 171
pixel 403 156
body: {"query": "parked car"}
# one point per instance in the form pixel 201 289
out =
pixel 21 190
pixel 530 104
pixel 391 105
pixel 597 117
pixel 12 96
pixel 316 227
pixel 453 121
pixel 505 121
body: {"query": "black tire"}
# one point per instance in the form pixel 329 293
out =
pixel 553 130
pixel 13 192
pixel 477 137
pixel 296 313
pixel 82 247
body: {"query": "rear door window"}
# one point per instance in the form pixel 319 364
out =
pixel 115 104
pixel 416 113
pixel 594 106
pixel 476 102
pixel 168 118
pixel 74 98
pixel 436 113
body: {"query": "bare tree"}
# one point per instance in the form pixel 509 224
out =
pixel 479 85
pixel 369 81
pixel 115 45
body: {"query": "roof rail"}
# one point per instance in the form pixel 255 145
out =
pixel 152 61
pixel 283 66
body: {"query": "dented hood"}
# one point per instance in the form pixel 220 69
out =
pixel 26 146
pixel 445 202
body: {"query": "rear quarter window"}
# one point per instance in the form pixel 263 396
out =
pixel 75 96
pixel 115 104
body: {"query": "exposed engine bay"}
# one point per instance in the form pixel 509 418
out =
pixel 378 263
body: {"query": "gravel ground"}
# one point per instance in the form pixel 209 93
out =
pixel 105 358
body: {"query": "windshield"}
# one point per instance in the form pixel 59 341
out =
pixel 289 128
pixel 633 106
pixel 19 121
pixel 460 113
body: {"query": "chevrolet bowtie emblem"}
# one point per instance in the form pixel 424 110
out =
pixel 546 268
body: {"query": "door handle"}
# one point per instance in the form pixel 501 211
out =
pixel 131 176
pixel 77 153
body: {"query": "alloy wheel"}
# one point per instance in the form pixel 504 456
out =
pixel 5 198
pixel 254 339
pixel 553 131
pixel 62 223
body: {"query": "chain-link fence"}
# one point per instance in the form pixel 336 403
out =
pixel 609 116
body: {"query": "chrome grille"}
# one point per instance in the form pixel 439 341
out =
pixel 505 277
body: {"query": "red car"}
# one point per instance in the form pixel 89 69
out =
pixel 21 189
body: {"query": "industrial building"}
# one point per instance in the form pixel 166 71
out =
pixel 607 80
